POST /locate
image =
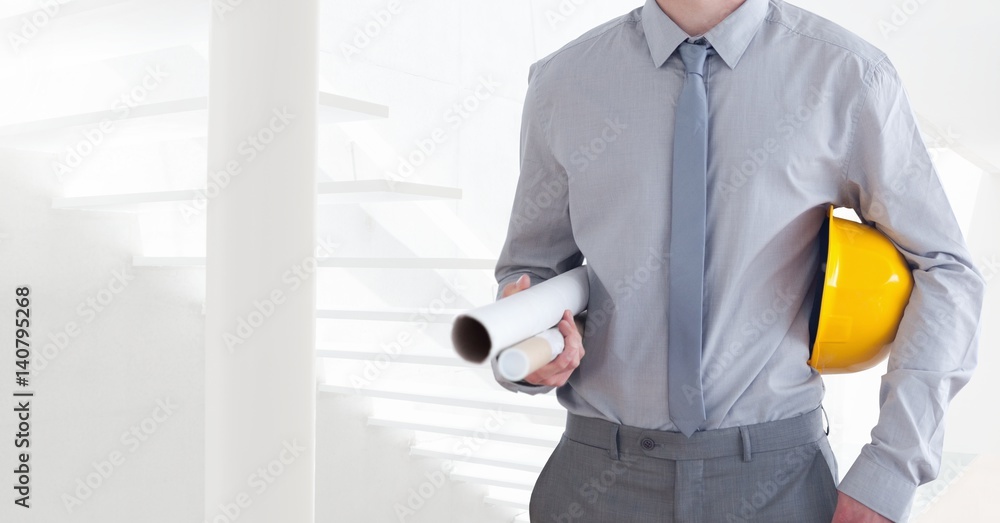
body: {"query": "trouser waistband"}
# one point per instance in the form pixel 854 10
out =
pixel 733 441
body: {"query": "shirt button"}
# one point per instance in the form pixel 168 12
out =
pixel 647 443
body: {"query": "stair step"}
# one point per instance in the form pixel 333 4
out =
pixel 151 122
pixel 373 349
pixel 434 394
pixel 370 191
pixel 418 359
pixel 340 262
pixel 487 453
pixel 398 315
pixel 537 435
pixel 87 31
pixel 13 11
pixel 334 108
pixel 329 193
pixel 510 498
pixel 149 110
pixel 494 476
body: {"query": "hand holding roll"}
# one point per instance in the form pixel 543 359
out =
pixel 557 371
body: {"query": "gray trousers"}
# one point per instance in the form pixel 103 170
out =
pixel 604 472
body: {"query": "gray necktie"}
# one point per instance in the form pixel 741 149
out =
pixel 687 245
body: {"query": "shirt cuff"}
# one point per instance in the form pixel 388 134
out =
pixel 518 386
pixel 879 489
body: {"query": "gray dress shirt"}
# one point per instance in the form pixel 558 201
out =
pixel 802 113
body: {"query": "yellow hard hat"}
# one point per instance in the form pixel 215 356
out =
pixel 862 288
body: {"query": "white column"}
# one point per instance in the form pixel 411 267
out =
pixel 260 388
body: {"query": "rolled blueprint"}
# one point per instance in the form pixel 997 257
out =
pixel 481 333
pixel 516 362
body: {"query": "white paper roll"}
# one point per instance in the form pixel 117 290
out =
pixel 517 362
pixel 480 333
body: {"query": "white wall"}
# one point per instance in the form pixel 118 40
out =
pixel 143 348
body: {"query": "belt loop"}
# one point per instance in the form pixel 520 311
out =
pixel 613 444
pixel 745 435
pixel 827 431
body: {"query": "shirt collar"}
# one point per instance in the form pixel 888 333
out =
pixel 729 38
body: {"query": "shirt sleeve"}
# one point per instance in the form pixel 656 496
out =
pixel 539 239
pixel 892 184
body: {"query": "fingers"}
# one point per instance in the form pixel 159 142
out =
pixel 557 372
pixel 523 282
pixel 567 326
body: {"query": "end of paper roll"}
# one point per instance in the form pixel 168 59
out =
pixel 519 361
pixel 514 365
pixel 471 339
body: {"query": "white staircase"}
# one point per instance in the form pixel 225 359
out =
pixel 454 411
